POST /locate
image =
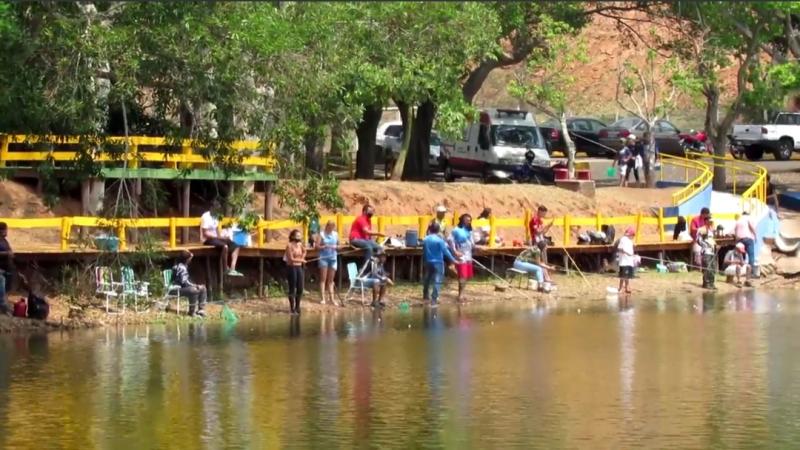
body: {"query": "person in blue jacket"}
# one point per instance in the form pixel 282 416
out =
pixel 434 253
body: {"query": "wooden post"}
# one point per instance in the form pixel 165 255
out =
pixel 660 224
pixel 173 232
pixel 186 191
pixel 260 277
pixel 567 221
pixel 268 188
pixel 209 278
pixel 565 260
pixel 260 230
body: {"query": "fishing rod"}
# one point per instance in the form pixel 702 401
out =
pixel 686 264
pixel 526 294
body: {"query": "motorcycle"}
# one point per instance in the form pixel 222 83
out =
pixel 533 173
pixel 695 142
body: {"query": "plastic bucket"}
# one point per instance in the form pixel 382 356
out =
pixel 241 238
pixel 107 243
pixel 611 172
pixel 412 238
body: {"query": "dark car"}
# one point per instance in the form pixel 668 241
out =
pixel 667 135
pixel 584 132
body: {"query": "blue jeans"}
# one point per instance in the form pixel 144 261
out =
pixel 434 274
pixel 530 268
pixel 750 248
pixel 368 245
pixel 3 305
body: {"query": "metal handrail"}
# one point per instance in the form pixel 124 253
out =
pixel 700 182
pixel 755 191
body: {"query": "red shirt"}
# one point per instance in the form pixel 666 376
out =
pixel 360 228
pixel 697 222
pixel 535 225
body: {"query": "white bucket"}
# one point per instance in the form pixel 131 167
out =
pixel 611 290
pixel 533 285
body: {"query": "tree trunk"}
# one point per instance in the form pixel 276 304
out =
pixel 569 143
pixel 313 141
pixel 416 166
pixel 407 115
pixel 476 78
pixel 365 158
pixel 649 161
pixel 717 134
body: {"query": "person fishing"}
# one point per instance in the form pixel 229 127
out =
pixel 538 230
pixel 708 251
pixel 627 260
pixel 196 293
pixel 378 279
pixel 461 245
pixel 295 257
pixel 434 254
pixel 530 261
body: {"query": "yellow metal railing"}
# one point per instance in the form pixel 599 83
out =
pixel 120 227
pixel 700 178
pixel 755 190
pixel 134 156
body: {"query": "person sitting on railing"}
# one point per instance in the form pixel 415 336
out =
pixel 361 233
pixel 211 234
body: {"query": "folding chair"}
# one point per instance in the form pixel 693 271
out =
pixel 133 288
pixel 357 279
pixel 105 285
pixel 171 291
pixel 516 274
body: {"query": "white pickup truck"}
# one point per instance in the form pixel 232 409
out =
pixel 781 137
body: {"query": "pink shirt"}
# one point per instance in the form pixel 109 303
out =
pixel 744 228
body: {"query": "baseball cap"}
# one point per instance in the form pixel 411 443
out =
pixel 441 208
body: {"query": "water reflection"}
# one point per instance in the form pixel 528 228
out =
pixel 707 371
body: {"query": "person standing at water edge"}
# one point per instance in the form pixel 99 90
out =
pixel 7 268
pixel 708 251
pixel 745 232
pixel 295 257
pixel 434 253
pixel 211 233
pixel 698 222
pixel 327 242
pixel 627 260
pixel 361 233
pixel 461 244
pixel 196 293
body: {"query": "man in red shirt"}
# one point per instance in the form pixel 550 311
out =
pixel 361 233
pixel 538 230
pixel 699 222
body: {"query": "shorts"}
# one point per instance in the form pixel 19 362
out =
pixel 219 243
pixel 465 270
pixel 373 282
pixel 731 270
pixel 626 272
pixel 328 262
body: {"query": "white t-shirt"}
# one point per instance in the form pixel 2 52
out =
pixel 209 224
pixel 625 251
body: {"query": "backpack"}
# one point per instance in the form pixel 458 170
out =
pixel 38 308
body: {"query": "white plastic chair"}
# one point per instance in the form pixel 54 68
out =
pixel 133 288
pixel 357 280
pixel 105 285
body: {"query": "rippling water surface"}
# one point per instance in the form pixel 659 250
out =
pixel 699 372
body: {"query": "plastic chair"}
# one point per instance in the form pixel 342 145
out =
pixel 105 285
pixel 133 288
pixel 357 280
pixel 170 291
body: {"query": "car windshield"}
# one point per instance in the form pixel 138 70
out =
pixel 515 136
pixel 629 123
pixel 394 130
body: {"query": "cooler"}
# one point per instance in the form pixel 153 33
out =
pixel 412 238
pixel 561 174
pixel 583 174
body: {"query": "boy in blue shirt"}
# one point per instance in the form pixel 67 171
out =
pixel 434 254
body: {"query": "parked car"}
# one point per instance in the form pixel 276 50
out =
pixel 667 135
pixel 495 146
pixel 781 137
pixel 395 143
pixel 387 130
pixel 584 131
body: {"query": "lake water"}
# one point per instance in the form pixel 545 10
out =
pixel 701 372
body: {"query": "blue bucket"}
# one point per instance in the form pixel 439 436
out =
pixel 241 238
pixel 412 238
pixel 107 243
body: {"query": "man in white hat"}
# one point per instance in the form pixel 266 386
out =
pixel 441 210
pixel 737 265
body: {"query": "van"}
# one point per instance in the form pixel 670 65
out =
pixel 495 147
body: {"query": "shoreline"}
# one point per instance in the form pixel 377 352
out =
pixel 570 289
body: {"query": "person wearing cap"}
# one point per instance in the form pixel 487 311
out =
pixel 441 210
pixel 434 254
pixel 745 232
pixel 627 260
pixel 708 252
pixel 378 279
pixel 695 224
pixel 737 264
